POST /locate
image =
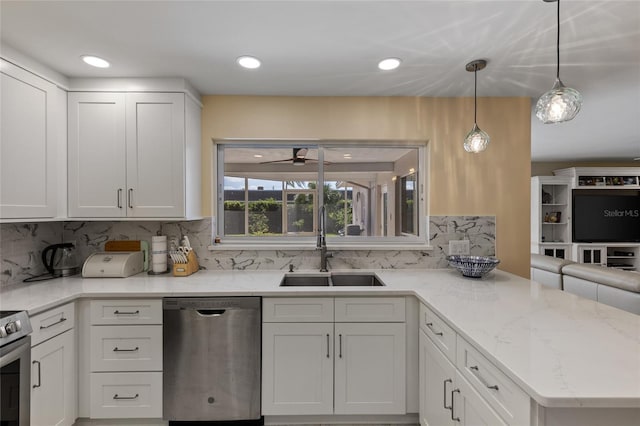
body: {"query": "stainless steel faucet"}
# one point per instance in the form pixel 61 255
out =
pixel 322 242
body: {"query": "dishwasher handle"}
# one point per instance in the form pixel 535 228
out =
pixel 210 312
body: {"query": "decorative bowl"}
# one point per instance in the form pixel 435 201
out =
pixel 473 266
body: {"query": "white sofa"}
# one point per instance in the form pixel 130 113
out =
pixel 610 286
pixel 606 285
pixel 547 270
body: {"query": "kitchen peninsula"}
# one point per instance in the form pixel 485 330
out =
pixel 577 361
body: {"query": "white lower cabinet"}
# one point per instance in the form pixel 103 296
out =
pixel 370 368
pixel 297 368
pixel 446 398
pixel 126 395
pixel 436 383
pixel 125 359
pixel 319 368
pixel 53 381
pixel 458 385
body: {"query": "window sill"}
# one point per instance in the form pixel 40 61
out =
pixel 331 246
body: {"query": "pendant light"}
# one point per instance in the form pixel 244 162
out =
pixel 560 103
pixel 476 140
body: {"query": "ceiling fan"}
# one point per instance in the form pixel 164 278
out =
pixel 299 158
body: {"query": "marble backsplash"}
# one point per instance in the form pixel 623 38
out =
pixel 21 245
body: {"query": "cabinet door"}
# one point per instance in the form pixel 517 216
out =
pixel 297 368
pixel 470 408
pixel 155 155
pixel 53 381
pixel 97 155
pixel 28 147
pixel 437 376
pixel 370 366
pixel 593 255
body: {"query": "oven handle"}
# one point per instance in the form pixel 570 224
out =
pixel 39 377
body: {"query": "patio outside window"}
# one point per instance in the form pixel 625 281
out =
pixel 274 191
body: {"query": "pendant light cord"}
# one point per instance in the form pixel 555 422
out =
pixel 558 44
pixel 475 95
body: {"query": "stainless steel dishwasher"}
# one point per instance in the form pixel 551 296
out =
pixel 211 359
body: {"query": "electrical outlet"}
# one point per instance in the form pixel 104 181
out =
pixel 459 247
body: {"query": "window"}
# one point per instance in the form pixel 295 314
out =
pixel 275 191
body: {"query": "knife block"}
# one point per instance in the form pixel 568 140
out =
pixel 186 269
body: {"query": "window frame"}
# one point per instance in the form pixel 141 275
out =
pixel 405 241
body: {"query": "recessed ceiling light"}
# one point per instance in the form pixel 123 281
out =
pixel 257 155
pixel 95 61
pixel 389 64
pixel 248 62
pixel 347 155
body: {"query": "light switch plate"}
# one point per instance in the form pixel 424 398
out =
pixel 459 247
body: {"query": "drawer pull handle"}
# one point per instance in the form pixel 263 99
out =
pixel 477 369
pixel 116 312
pixel 125 397
pixel 63 319
pixel 437 333
pixel 125 350
pixel 455 419
pixel 130 198
pixel 340 340
pixel 444 395
pixel 327 345
pixel 119 198
pixel 39 377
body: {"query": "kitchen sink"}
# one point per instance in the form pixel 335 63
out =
pixel 335 279
pixel 356 280
pixel 305 281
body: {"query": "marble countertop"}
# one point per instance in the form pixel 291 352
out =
pixel 563 350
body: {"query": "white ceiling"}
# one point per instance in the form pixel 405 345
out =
pixel 320 48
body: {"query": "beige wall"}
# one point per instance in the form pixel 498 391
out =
pixel 495 182
pixel 547 168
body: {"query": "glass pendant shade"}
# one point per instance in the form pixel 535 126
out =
pixel 476 140
pixel 561 103
pixel 558 104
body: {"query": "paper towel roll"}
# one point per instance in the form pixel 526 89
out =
pixel 159 253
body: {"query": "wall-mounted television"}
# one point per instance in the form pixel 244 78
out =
pixel 606 216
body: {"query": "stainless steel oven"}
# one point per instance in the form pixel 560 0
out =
pixel 15 369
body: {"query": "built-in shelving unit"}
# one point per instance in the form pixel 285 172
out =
pixel 551 216
pixel 551 209
pixel 623 257
pixel 619 255
pixel 602 177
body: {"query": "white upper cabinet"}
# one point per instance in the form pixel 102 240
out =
pixel 97 155
pixel 128 155
pixel 28 149
pixel 155 155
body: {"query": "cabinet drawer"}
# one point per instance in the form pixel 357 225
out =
pixel 502 394
pixel 112 312
pixel 126 348
pixel 297 309
pixel 52 322
pixel 125 395
pixel 440 333
pixel 370 309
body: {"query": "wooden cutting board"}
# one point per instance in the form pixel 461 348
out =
pixel 122 245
